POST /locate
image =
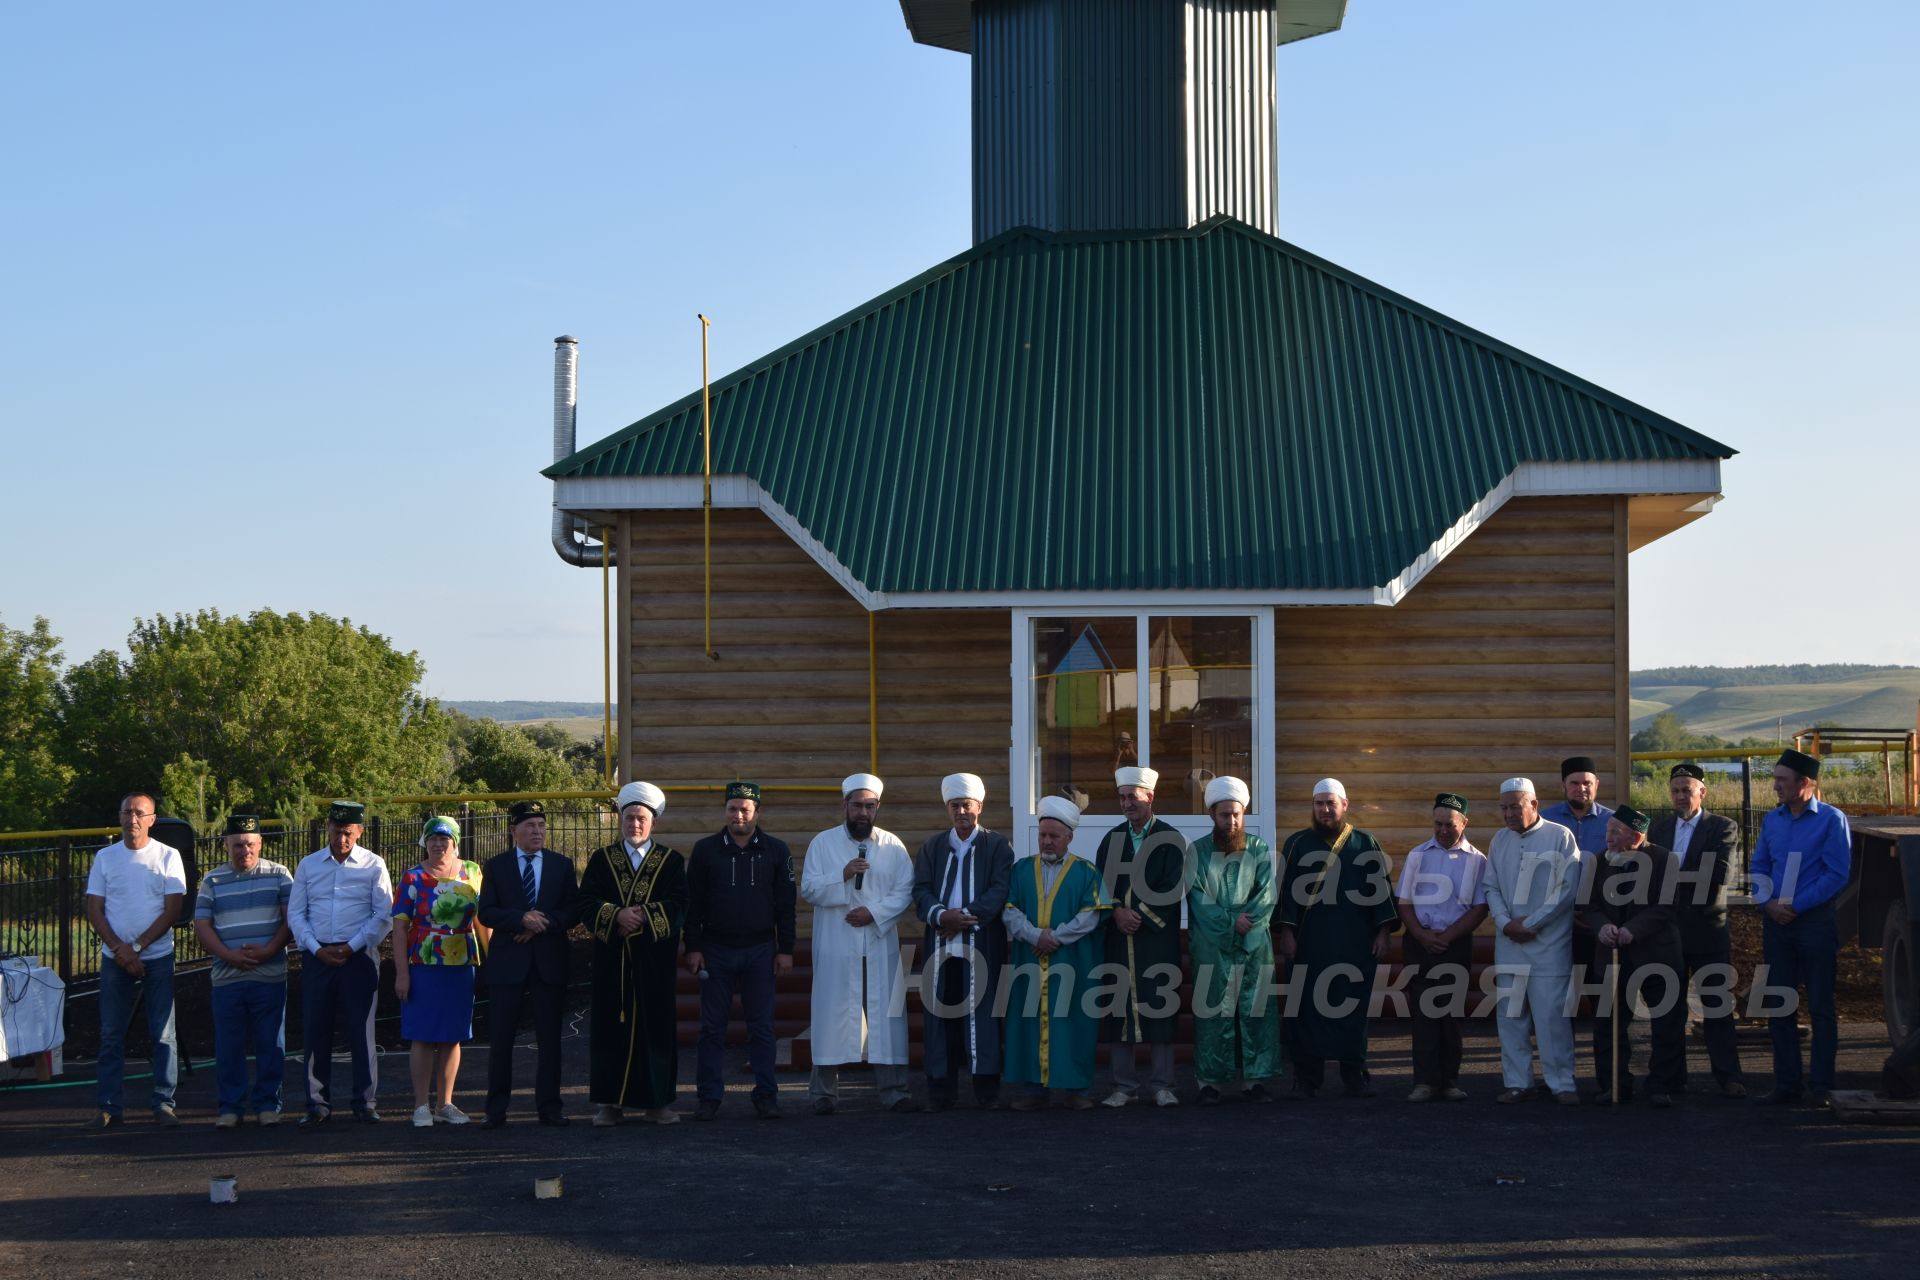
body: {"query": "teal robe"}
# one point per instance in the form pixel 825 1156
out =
pixel 1054 1045
pixel 1336 894
pixel 1236 1014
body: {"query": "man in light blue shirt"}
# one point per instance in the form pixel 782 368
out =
pixel 340 908
pixel 1800 864
pixel 1581 812
pixel 240 915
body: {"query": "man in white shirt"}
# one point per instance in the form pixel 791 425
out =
pixel 859 878
pixel 1532 881
pixel 1443 899
pixel 340 909
pixel 135 891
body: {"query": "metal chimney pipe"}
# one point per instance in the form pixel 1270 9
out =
pixel 570 541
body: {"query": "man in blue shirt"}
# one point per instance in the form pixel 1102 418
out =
pixel 1580 812
pixel 1800 864
pixel 240 916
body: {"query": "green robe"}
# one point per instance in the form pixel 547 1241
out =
pixel 1336 894
pixel 632 1049
pixel 1150 879
pixel 1236 1016
pixel 1055 1044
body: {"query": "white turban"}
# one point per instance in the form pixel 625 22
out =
pixel 1061 810
pixel 956 786
pixel 1522 785
pixel 1145 779
pixel 861 782
pixel 1228 789
pixel 641 793
pixel 1329 787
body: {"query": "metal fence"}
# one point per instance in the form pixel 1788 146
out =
pixel 43 883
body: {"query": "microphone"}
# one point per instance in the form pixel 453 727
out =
pixel 860 876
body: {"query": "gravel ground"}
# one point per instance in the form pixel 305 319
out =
pixel 1358 1187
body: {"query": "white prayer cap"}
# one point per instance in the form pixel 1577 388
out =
pixel 1061 810
pixel 1228 789
pixel 956 786
pixel 641 793
pixel 861 782
pixel 1522 785
pixel 1145 779
pixel 1329 787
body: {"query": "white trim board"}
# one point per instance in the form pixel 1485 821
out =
pixel 1529 480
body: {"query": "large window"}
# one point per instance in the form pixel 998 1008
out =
pixel 1189 710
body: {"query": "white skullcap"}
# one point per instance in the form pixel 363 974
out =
pixel 1145 779
pixel 641 793
pixel 957 786
pixel 1329 787
pixel 1061 810
pixel 1524 785
pixel 1228 789
pixel 861 782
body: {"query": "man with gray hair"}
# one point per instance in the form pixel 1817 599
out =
pixel 1532 880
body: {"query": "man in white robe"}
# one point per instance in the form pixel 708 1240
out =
pixel 859 879
pixel 1532 881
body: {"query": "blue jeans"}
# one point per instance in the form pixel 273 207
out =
pixel 118 991
pixel 750 971
pixel 243 1012
pixel 1805 952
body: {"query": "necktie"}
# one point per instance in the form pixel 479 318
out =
pixel 526 876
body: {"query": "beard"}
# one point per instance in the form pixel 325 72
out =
pixel 1328 831
pixel 859 828
pixel 1229 841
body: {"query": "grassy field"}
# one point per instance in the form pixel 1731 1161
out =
pixel 1885 698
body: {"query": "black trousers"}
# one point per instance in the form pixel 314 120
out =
pixel 1723 1051
pixel 1436 1035
pixel 505 1001
pixel 950 988
pixel 1659 984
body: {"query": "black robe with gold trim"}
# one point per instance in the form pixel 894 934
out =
pixel 633 1048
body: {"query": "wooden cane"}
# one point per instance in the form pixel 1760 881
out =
pixel 1613 1026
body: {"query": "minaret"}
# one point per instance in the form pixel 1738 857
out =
pixel 1121 115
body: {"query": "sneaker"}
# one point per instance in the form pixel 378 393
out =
pixel 766 1106
pixel 1077 1102
pixel 423 1117
pixel 227 1120
pixel 823 1106
pixel 315 1119
pixel 706 1109
pixel 104 1120
pixel 660 1115
pixel 166 1117
pixel 1165 1098
pixel 1030 1102
pixel 1567 1098
pixel 1732 1089
pixel 368 1116
pixel 1118 1098
pixel 1209 1096
pixel 1256 1093
pixel 1421 1093
pixel 605 1117
pixel 450 1114
pixel 1507 1097
pixel 268 1119
pixel 1453 1093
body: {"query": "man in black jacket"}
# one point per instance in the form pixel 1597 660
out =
pixel 527 899
pixel 1623 907
pixel 739 935
pixel 1704 845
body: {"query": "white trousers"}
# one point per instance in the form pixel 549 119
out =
pixel 1536 1001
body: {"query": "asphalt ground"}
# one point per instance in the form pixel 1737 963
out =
pixel 1355 1187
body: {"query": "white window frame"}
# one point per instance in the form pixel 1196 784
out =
pixel 1102 813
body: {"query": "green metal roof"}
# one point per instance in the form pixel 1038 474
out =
pixel 1212 409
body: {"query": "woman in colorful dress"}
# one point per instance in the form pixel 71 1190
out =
pixel 436 942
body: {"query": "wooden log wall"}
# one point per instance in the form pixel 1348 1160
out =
pixel 1508 657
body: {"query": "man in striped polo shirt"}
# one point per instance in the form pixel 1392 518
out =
pixel 241 918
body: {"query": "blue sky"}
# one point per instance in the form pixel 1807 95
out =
pixel 281 280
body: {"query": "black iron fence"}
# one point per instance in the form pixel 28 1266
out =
pixel 43 883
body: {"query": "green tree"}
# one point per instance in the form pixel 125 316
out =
pixel 491 756
pixel 33 779
pixel 252 711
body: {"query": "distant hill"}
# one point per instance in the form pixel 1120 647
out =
pixel 1734 702
pixel 517 712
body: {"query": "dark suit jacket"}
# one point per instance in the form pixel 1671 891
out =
pixel 503 901
pixel 1633 895
pixel 1700 898
pixel 990 869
